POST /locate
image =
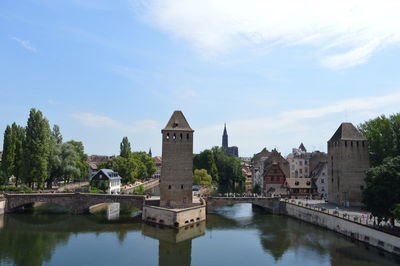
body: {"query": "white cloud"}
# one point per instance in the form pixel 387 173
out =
pixel 345 32
pixel 289 128
pixel 25 44
pixel 101 121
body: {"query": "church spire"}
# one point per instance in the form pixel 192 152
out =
pixel 225 138
pixel 150 154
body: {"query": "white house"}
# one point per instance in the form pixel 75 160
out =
pixel 114 184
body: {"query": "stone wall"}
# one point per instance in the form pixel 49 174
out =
pixel 348 228
pixel 77 202
pixel 2 206
pixel 174 217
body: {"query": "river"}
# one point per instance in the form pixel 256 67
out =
pixel 236 235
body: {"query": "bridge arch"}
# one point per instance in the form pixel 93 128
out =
pixel 271 205
pixel 77 202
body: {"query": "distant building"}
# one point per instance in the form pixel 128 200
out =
pixel 246 169
pixel 228 150
pixel 114 184
pixel 347 163
pixel 299 162
pixel 158 163
pixel 274 178
pixel 94 161
pixel 319 176
pixel 150 153
pixel 300 187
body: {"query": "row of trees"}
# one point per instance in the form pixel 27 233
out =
pixel 35 154
pixel 225 170
pixel 382 193
pixel 131 165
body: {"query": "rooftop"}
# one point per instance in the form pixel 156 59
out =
pixel 347 131
pixel 178 122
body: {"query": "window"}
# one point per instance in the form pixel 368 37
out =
pixel 169 186
pixel 301 171
pixel 296 183
pixel 361 187
pixel 187 136
pixel 301 162
pixel 322 181
pixel 322 189
pixel 181 186
pixel 174 138
pixel 305 162
pixel 345 143
pixel 272 178
pixel 181 136
pixel 167 136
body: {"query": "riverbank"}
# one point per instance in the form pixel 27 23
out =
pixel 350 228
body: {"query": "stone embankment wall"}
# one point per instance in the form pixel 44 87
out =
pixel 2 205
pixel 351 229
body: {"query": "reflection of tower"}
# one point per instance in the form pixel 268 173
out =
pixel 175 245
pixel 225 139
pixel 171 254
pixel 177 163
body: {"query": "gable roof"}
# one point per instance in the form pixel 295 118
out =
pixel 301 147
pixel 178 122
pixel 109 174
pixel 347 131
pixel 318 169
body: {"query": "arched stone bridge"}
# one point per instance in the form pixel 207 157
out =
pixel 271 205
pixel 77 202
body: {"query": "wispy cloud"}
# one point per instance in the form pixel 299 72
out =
pixel 102 121
pixel 344 32
pixel 312 125
pixel 25 44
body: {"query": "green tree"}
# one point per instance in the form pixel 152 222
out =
pixel 125 148
pixel 383 134
pixel 201 177
pixel 145 163
pixel 36 149
pixel 396 211
pixel 81 160
pixel 8 157
pixel 19 133
pixel 382 191
pixel 225 169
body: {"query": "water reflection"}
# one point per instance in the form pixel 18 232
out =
pixel 236 235
pixel 175 245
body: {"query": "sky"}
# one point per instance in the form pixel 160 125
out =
pixel 278 73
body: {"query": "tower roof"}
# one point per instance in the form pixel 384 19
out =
pixel 225 133
pixel 301 147
pixel 178 122
pixel 347 131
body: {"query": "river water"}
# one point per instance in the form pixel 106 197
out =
pixel 236 235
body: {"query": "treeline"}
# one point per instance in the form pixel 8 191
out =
pixel 382 193
pixel 35 155
pixel 131 166
pixel 225 170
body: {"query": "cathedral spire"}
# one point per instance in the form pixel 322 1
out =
pixel 225 138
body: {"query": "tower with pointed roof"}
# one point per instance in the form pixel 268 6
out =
pixel 225 138
pixel 177 163
pixel 347 163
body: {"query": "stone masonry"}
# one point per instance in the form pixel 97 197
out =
pixel 177 163
pixel 348 162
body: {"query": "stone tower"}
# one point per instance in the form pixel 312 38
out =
pixel 177 163
pixel 347 163
pixel 225 138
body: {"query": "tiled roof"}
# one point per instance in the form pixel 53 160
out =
pixel 178 122
pixel 347 131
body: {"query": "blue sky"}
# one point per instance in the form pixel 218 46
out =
pixel 277 73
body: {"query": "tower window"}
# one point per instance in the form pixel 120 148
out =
pixel 187 136
pixel 181 136
pixel 169 186
pixel 181 186
pixel 174 137
pixel 345 143
pixel 167 135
